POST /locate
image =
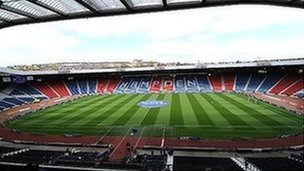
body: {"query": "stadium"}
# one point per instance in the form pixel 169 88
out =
pixel 243 115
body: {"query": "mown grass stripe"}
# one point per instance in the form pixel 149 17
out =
pixel 64 117
pixel 103 116
pixel 261 117
pixel 66 110
pixel 150 117
pixel 176 116
pixel 200 113
pixel 229 116
pixel 89 112
pixel 125 117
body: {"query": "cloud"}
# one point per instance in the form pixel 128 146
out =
pixel 208 34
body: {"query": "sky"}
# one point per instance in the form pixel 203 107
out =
pixel 216 34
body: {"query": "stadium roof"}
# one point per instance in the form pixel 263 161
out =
pixel 16 12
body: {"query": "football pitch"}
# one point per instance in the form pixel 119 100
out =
pixel 206 115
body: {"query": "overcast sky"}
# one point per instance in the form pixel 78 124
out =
pixel 206 35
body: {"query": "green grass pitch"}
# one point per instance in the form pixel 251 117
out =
pixel 207 115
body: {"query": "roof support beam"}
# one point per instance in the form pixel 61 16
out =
pixel 127 5
pixel 47 7
pixel 18 12
pixel 87 6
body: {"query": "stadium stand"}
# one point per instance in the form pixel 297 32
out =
pixel 102 85
pixel 6 104
pixel 13 101
pixel 299 94
pixel 92 86
pixel 254 82
pixel 241 82
pixel 83 86
pixel 72 86
pixel 60 88
pixel 156 84
pixel 270 80
pixel 46 89
pixel 216 82
pixel 179 84
pixel 229 80
pixel 112 85
pixel 123 85
pixel 191 84
pixel 204 84
pixel 167 84
pixel 144 85
pixel 286 81
pixel 294 87
pixel 133 86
